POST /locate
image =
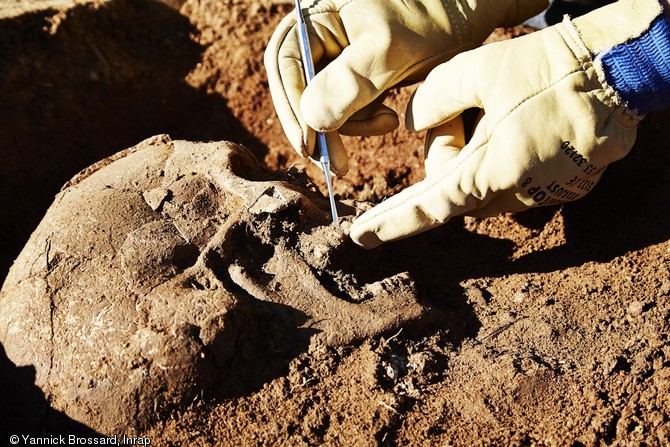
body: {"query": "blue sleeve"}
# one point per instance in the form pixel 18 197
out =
pixel 639 70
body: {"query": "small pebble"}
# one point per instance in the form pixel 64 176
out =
pixel 519 297
pixel 156 197
pixel 475 296
pixel 635 308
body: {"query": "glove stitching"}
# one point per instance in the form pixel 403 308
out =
pixel 484 145
pixel 297 120
pixel 457 20
pixel 362 120
pixel 328 8
pixel 585 63
pixel 611 97
pixel 345 4
pixel 303 148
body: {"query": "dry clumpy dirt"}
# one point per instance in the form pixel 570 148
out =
pixel 548 327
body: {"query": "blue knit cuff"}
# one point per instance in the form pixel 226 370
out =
pixel 639 70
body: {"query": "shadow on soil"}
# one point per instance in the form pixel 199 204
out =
pixel 438 261
pixel 274 339
pixel 25 410
pixel 78 86
pixel 627 211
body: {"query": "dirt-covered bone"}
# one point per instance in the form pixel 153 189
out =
pixel 141 285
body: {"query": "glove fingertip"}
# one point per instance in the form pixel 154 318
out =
pixel 317 111
pixel 303 142
pixel 383 121
pixel 413 119
pixel 336 93
pixel 339 161
pixel 364 237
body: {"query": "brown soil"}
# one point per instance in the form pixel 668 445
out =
pixel 553 324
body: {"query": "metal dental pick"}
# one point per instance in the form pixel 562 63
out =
pixel 308 68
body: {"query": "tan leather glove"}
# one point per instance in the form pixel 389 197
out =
pixel 365 47
pixel 550 125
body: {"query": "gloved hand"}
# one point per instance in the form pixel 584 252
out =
pixel 365 47
pixel 550 125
